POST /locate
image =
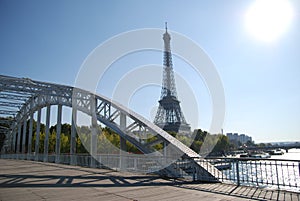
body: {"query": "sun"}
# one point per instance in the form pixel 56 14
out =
pixel 267 20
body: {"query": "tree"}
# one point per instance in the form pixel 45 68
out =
pixel 222 145
pixel 174 134
pixel 261 145
pixel 199 135
pixel 198 139
pixel 184 139
pixel 196 145
pixel 41 142
pixel 250 143
pixel 64 143
pixel 52 142
pixel 79 145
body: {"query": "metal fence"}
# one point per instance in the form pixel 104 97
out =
pixel 134 163
pixel 281 174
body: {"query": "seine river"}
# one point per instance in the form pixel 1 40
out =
pixel 269 172
pixel 293 154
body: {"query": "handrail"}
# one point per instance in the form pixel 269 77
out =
pixel 276 173
pixel 250 158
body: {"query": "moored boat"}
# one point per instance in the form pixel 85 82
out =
pixel 276 152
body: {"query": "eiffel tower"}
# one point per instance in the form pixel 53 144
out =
pixel 169 116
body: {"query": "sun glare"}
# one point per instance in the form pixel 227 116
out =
pixel 267 20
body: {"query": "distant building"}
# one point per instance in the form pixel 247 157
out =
pixel 235 137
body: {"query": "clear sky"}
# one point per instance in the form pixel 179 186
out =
pixel 49 40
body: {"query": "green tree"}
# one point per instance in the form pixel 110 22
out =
pixel 64 143
pixel 261 145
pixel 41 142
pixel 222 145
pixel 250 143
pixel 196 145
pixel 174 134
pixel 52 142
pixel 184 139
pixel 199 135
pixel 80 148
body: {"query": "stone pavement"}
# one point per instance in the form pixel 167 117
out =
pixel 29 180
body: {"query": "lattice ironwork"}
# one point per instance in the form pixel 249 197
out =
pixel 31 96
pixel 169 115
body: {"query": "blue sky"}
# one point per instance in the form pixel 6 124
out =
pixel 49 40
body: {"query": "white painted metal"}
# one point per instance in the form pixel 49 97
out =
pixel 35 95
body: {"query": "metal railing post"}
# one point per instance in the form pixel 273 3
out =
pixel 276 168
pixel 194 171
pixel 237 173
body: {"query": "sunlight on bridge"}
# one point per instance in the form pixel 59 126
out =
pixel 22 100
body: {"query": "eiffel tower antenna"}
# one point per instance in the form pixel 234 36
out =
pixel 169 115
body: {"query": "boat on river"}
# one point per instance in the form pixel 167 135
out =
pixel 260 155
pixel 276 152
pixel 220 164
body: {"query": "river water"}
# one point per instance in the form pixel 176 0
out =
pixel 277 173
pixel 293 154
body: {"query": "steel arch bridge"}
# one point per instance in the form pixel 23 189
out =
pixel 20 98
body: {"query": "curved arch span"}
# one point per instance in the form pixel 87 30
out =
pixel 128 124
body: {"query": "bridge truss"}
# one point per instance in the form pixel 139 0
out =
pixel 20 98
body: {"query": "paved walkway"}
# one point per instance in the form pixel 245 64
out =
pixel 29 180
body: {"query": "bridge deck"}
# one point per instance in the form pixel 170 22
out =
pixel 28 180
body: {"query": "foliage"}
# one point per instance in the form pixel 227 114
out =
pixel 222 145
pixel 108 141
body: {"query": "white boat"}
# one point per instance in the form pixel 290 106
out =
pixel 260 155
pixel 276 152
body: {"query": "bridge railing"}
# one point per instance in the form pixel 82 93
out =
pixel 141 163
pixel 274 173
pixel 280 174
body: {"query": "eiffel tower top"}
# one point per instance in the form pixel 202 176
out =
pixel 167 39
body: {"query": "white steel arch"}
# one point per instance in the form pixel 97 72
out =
pixel 21 97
